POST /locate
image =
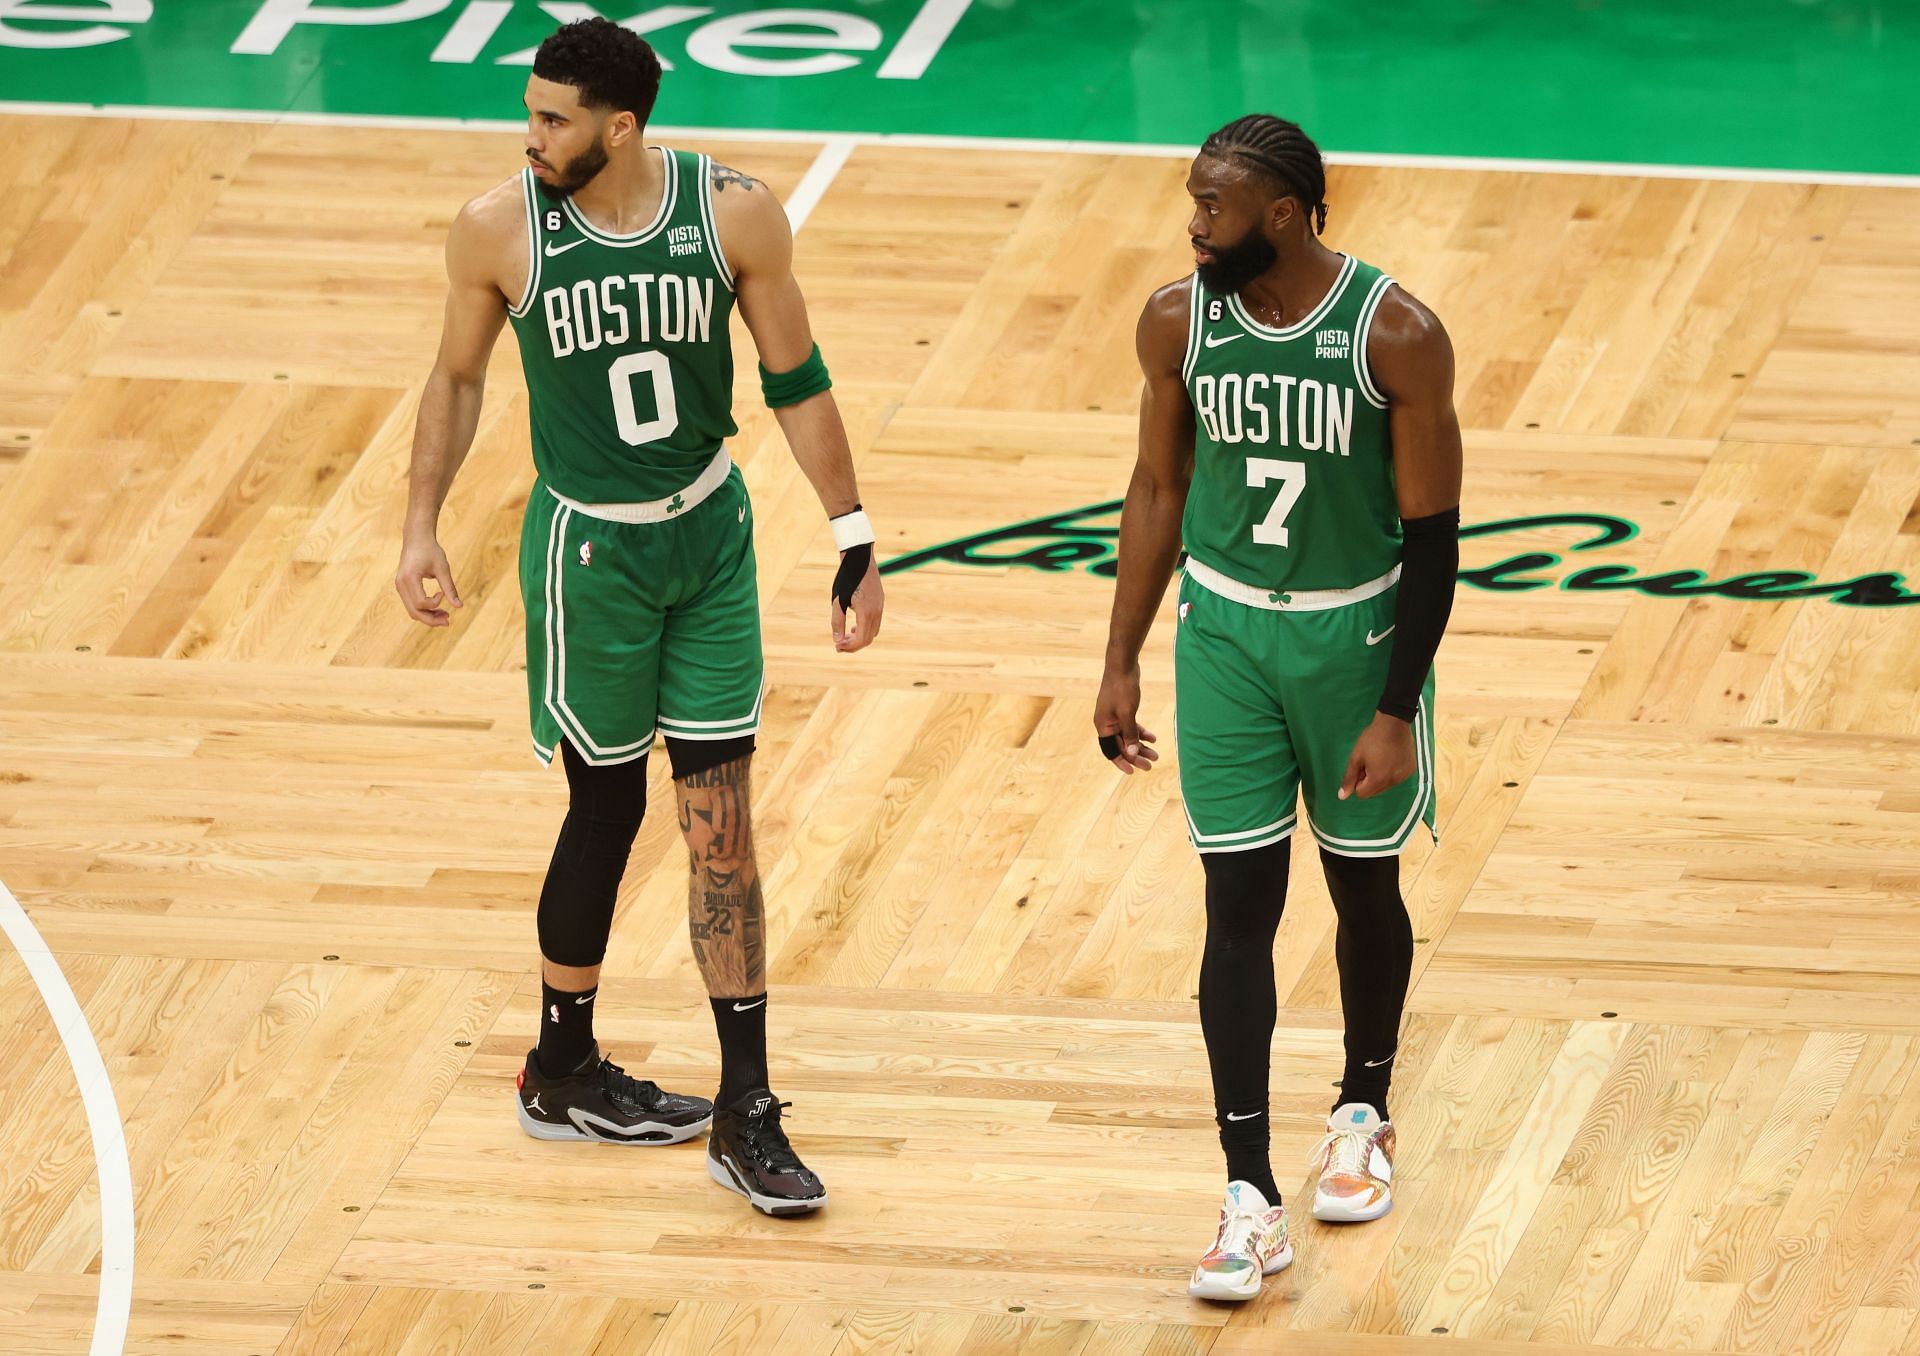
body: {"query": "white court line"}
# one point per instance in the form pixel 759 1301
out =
pixel 103 1119
pixel 1042 145
pixel 814 183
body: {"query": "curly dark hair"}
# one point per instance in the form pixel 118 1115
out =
pixel 611 67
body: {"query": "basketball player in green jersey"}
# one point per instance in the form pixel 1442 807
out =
pixel 618 264
pixel 1297 432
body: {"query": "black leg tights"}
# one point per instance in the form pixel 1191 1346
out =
pixel 1374 948
pixel 604 811
pixel 1246 892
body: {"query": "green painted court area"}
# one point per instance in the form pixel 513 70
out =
pixel 1824 85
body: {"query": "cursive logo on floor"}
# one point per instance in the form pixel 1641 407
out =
pixel 1088 538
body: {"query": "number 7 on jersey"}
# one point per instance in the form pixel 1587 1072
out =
pixel 1292 475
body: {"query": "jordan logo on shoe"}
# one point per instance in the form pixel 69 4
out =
pixel 534 1105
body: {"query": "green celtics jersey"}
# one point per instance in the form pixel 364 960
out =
pixel 624 341
pixel 1293 462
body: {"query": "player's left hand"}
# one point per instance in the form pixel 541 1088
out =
pixel 857 592
pixel 1382 758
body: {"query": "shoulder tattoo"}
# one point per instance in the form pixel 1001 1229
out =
pixel 723 178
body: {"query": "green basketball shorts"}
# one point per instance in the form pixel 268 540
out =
pixel 638 627
pixel 1269 699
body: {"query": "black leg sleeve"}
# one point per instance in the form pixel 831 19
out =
pixel 1374 948
pixel 604 810
pixel 1246 893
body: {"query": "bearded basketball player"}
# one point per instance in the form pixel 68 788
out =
pixel 618 264
pixel 1298 434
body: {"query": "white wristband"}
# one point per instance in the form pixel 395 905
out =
pixel 851 530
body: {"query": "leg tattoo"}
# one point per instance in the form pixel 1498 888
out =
pixel 725 913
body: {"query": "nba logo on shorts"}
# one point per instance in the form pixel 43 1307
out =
pixel 1184 609
pixel 586 553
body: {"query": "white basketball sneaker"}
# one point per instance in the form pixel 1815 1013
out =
pixel 1252 1243
pixel 1356 1167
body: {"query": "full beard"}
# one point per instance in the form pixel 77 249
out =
pixel 1234 266
pixel 576 174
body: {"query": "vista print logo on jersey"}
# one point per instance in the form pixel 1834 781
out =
pixel 684 240
pixel 1089 538
pixel 1332 344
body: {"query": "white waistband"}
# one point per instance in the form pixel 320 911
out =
pixel 658 510
pixel 1296 600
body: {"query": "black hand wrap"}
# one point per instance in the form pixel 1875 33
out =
pixel 854 563
pixel 1429 564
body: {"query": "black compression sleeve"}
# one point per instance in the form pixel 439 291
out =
pixel 854 562
pixel 1429 562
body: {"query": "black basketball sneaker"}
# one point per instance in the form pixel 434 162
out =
pixel 600 1100
pixel 748 1153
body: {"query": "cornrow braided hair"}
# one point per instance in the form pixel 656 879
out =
pixel 1280 150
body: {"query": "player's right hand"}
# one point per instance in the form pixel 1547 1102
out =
pixel 1116 723
pixel 421 559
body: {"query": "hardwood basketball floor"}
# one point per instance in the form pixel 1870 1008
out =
pixel 1657 1085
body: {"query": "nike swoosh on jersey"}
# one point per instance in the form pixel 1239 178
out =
pixel 1216 343
pixel 571 244
pixel 1372 639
